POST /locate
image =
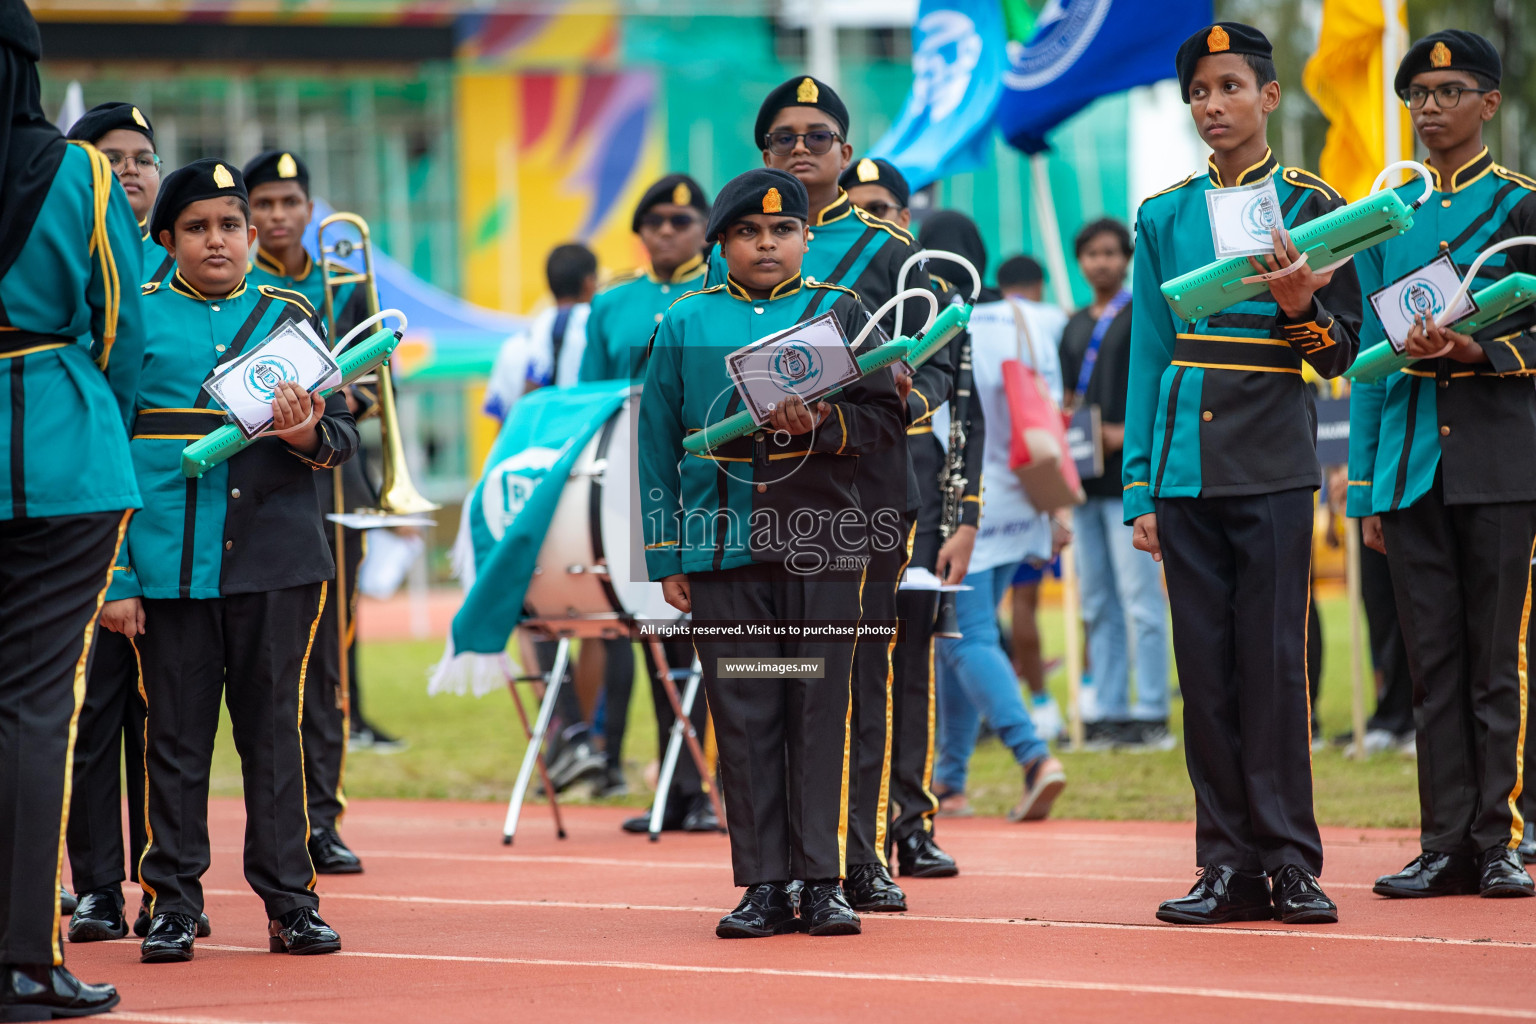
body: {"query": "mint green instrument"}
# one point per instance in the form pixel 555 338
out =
pixel 916 351
pixel 1503 298
pixel 362 358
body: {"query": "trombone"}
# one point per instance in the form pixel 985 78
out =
pixel 398 496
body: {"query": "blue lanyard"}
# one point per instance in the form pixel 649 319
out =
pixel 1100 328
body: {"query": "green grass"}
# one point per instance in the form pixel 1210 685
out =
pixel 467 749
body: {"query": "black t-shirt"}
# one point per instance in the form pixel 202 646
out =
pixel 1107 384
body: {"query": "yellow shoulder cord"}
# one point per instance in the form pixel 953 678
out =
pixel 101 248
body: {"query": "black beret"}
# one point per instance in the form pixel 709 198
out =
pixel 1222 37
pixel 276 165
pixel 18 29
pixel 107 117
pixel 677 189
pixel 761 190
pixel 799 92
pixel 877 171
pixel 1451 50
pixel 208 178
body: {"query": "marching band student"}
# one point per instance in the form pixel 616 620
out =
pixel 669 220
pixel 802 128
pixel 281 209
pixel 71 346
pixel 745 534
pixel 110 732
pixel 228 573
pixel 1231 518
pixel 127 139
pixel 880 190
pixel 1443 473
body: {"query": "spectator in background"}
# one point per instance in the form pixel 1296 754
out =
pixel 974 677
pixel 1122 588
pixel 1022 278
pixel 551 350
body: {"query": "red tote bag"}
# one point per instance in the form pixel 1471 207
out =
pixel 1037 444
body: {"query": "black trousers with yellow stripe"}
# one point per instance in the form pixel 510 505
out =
pixel 53 576
pixel 109 738
pixel 784 741
pixel 1462 576
pixel 327 706
pixel 874 709
pixel 913 703
pixel 1239 586
pixel 253 651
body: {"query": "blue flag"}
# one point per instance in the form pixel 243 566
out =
pixel 1084 49
pixel 959 54
pixel 506 518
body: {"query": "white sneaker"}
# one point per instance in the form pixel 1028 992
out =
pixel 1378 741
pixel 1088 702
pixel 1049 723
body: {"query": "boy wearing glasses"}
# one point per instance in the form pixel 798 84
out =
pixel 127 139
pixel 1219 473
pixel 758 531
pixel 111 725
pixel 1442 470
pixel 669 221
pixel 802 128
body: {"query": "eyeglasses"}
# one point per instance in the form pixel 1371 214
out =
pixel 1446 96
pixel 679 221
pixel 881 209
pixel 783 143
pixel 147 163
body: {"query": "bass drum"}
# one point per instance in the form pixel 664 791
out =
pixel 592 566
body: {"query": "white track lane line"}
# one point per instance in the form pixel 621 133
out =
pixel 1021 922
pixel 1177 991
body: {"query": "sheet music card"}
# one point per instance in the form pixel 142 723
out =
pixel 246 386
pixel 806 361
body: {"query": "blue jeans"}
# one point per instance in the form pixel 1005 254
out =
pixel 1121 585
pixel 975 679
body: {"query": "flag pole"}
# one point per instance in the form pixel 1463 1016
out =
pixel 1050 232
pixel 1391 54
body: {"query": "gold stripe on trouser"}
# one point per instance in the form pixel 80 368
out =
pixel 933 801
pixel 842 813
pixel 74 729
pixel 149 829
pixel 1522 664
pixel 883 804
pixel 345 697
pixel 314 876
pixel 711 751
pixel 1306 681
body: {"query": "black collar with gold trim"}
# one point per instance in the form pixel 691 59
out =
pixel 1263 169
pixel 273 267
pixel 180 286
pixel 1464 175
pixel 789 286
pixel 686 271
pixel 839 209
pixel 144 230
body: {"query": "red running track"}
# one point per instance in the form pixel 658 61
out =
pixel 1050 921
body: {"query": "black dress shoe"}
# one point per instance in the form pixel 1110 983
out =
pixel 302 933
pixel 1221 894
pixel 1502 874
pixel 825 910
pixel 169 940
pixel 141 923
pixel 918 856
pixel 330 855
pixel 98 916
pixel 763 911
pixel 1527 850
pixel 869 888
pixel 44 992
pixel 1300 900
pixel 701 815
pixel 671 820
pixel 1431 874
pixel 67 903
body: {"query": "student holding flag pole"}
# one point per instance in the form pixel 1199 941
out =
pixel 1230 517
pixel 1443 474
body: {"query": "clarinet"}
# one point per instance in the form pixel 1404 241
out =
pixel 952 481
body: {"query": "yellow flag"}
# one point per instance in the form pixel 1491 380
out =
pixel 1345 78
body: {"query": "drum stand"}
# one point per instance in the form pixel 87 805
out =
pixel 533 756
